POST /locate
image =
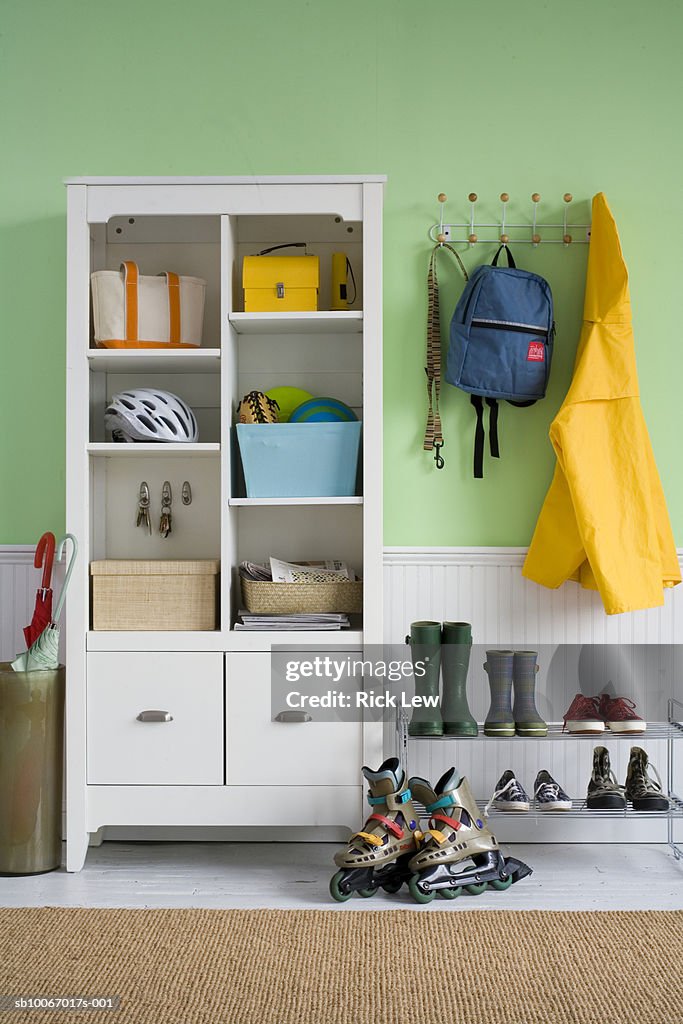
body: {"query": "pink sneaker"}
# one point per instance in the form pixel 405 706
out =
pixel 619 714
pixel 583 715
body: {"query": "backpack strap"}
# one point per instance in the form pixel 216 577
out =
pixel 511 261
pixel 478 404
pixel 479 433
pixel 493 427
pixel 433 440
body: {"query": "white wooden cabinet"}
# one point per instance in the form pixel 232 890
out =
pixel 218 758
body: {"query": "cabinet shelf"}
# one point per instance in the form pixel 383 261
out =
pixel 296 501
pixel 314 322
pixel 655 731
pixel 579 810
pixel 177 360
pixel 111 450
pixel 217 640
pixel 155 640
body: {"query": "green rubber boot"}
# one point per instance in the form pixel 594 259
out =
pixel 425 651
pixel 456 644
pixel 528 722
pixel 499 721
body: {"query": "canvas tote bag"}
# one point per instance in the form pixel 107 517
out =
pixel 131 310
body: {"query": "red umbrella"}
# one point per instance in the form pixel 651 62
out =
pixel 42 613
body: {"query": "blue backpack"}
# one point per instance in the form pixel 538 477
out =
pixel 501 343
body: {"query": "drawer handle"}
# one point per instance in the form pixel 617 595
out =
pixel 293 716
pixel 155 716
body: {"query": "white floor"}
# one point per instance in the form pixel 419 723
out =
pixel 296 876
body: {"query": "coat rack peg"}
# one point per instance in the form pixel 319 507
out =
pixel 472 237
pixel 504 238
pixel 566 237
pixel 441 236
pixel 535 237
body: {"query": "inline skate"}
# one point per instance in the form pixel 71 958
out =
pixel 457 834
pixel 378 856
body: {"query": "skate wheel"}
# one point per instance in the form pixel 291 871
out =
pixel 366 893
pixel 501 883
pixel 416 892
pixel 449 894
pixel 392 886
pixel 335 892
pixel 477 890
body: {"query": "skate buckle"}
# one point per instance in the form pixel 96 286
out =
pixel 388 824
pixel 368 838
pixel 448 821
pixel 444 801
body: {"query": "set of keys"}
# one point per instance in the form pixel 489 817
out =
pixel 166 517
pixel 143 508
pixel 166 520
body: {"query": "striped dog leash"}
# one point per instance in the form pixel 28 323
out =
pixel 433 440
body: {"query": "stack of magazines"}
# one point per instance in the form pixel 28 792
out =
pixel 312 620
pixel 278 571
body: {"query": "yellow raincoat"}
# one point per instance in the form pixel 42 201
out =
pixel 604 521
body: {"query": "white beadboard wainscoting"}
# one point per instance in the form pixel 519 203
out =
pixel 485 586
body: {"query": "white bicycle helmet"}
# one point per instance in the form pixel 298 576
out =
pixel 148 414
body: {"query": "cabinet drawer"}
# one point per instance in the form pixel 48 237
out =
pixel 186 750
pixel 263 752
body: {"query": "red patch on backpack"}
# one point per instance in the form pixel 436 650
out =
pixel 535 352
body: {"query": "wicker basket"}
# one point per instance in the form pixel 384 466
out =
pixel 288 598
pixel 154 594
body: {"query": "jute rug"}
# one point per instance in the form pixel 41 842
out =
pixel 347 967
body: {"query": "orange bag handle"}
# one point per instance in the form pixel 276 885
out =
pixel 131 275
pixel 130 272
pixel 173 285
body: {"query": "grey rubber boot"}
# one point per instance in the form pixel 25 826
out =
pixel 456 644
pixel 499 721
pixel 425 652
pixel 528 722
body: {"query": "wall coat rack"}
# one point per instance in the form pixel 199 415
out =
pixel 535 233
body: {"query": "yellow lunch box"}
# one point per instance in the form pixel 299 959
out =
pixel 280 283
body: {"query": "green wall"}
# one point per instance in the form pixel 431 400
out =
pixel 439 96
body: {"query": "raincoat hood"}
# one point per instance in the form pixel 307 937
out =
pixel 604 521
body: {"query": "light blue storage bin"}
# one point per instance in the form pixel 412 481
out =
pixel 299 460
